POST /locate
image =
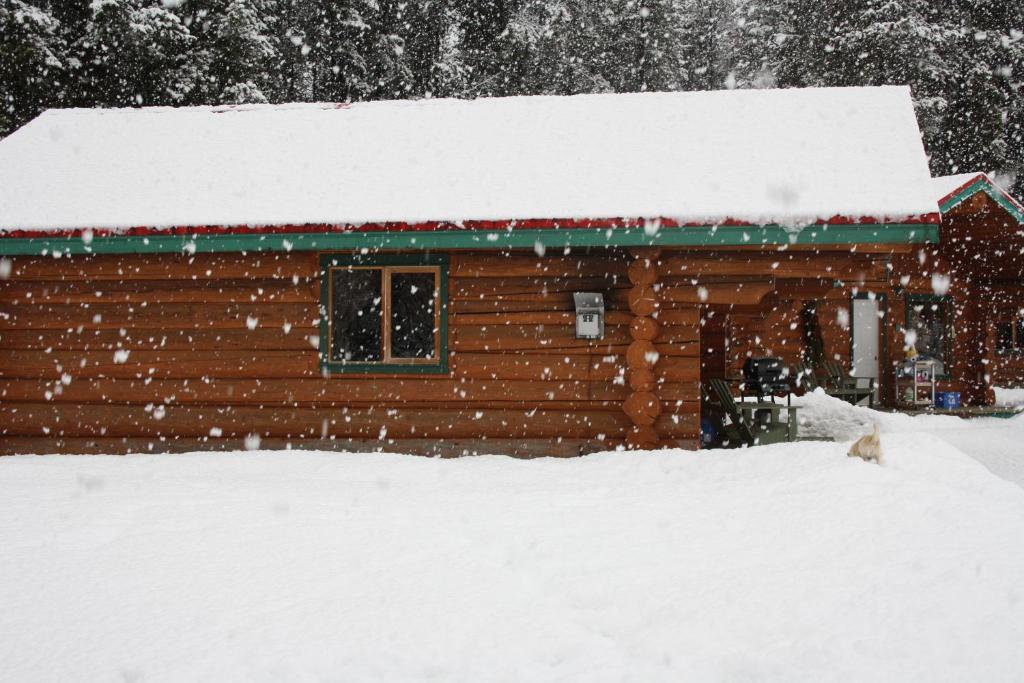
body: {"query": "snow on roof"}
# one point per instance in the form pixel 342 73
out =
pixel 755 156
pixel 947 187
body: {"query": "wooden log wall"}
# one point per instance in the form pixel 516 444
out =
pixel 774 328
pixel 770 322
pixel 715 344
pixel 978 300
pixel 172 353
pixel 1006 305
pixel 164 353
pixel 984 248
pixel 777 328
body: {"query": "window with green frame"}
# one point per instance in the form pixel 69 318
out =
pixel 384 314
pixel 931 318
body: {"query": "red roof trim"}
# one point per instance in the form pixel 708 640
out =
pixel 982 178
pixel 430 226
pixel 974 179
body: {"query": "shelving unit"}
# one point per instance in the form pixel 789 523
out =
pixel 915 383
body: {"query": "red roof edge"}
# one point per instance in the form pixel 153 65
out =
pixel 963 187
pixel 988 183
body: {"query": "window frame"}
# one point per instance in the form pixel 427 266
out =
pixel 912 300
pixel 388 265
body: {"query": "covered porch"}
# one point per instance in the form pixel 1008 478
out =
pixel 850 318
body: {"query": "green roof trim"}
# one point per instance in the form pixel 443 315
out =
pixel 709 236
pixel 983 184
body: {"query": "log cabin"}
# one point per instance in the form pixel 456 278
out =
pixel 408 276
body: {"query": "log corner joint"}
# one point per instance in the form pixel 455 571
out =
pixel 642 406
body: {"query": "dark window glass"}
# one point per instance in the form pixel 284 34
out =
pixel 1019 342
pixel 356 311
pixel 412 315
pixel 1004 337
pixel 930 319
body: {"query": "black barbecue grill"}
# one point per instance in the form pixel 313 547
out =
pixel 765 377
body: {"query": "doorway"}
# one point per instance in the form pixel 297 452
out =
pixel 867 314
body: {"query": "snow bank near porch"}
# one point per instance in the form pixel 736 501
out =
pixel 821 415
pixel 783 562
pixel 994 442
pixel 1011 397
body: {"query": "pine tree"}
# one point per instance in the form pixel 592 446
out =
pixel 985 122
pixel 71 15
pixel 494 58
pixel 529 47
pixel 413 49
pixel 135 53
pixel 570 49
pixel 660 45
pixel 432 35
pixel 32 63
pixel 240 55
pixel 338 37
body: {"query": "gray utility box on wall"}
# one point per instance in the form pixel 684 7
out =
pixel 589 315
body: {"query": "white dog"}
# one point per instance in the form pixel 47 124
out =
pixel 868 447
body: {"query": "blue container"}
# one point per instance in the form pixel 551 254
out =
pixel 708 432
pixel 947 399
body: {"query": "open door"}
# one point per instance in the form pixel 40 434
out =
pixel 865 351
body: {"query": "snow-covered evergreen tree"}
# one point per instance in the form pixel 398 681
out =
pixel 135 53
pixel 32 62
pixel 493 58
pixel 984 128
pixel 337 34
pixel 413 49
pixel 651 45
pixel 240 55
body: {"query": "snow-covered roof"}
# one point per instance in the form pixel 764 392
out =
pixel 756 156
pixel 950 192
pixel 947 186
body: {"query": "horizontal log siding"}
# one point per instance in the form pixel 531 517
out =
pixel 774 329
pixel 154 353
pixel 985 248
pixel 1006 369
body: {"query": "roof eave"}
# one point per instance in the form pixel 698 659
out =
pixel 925 229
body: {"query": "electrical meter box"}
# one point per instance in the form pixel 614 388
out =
pixel 589 315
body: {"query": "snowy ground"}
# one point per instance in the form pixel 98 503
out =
pixel 997 443
pixel 1010 397
pixel 785 562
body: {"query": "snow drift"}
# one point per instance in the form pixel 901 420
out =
pixel 785 562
